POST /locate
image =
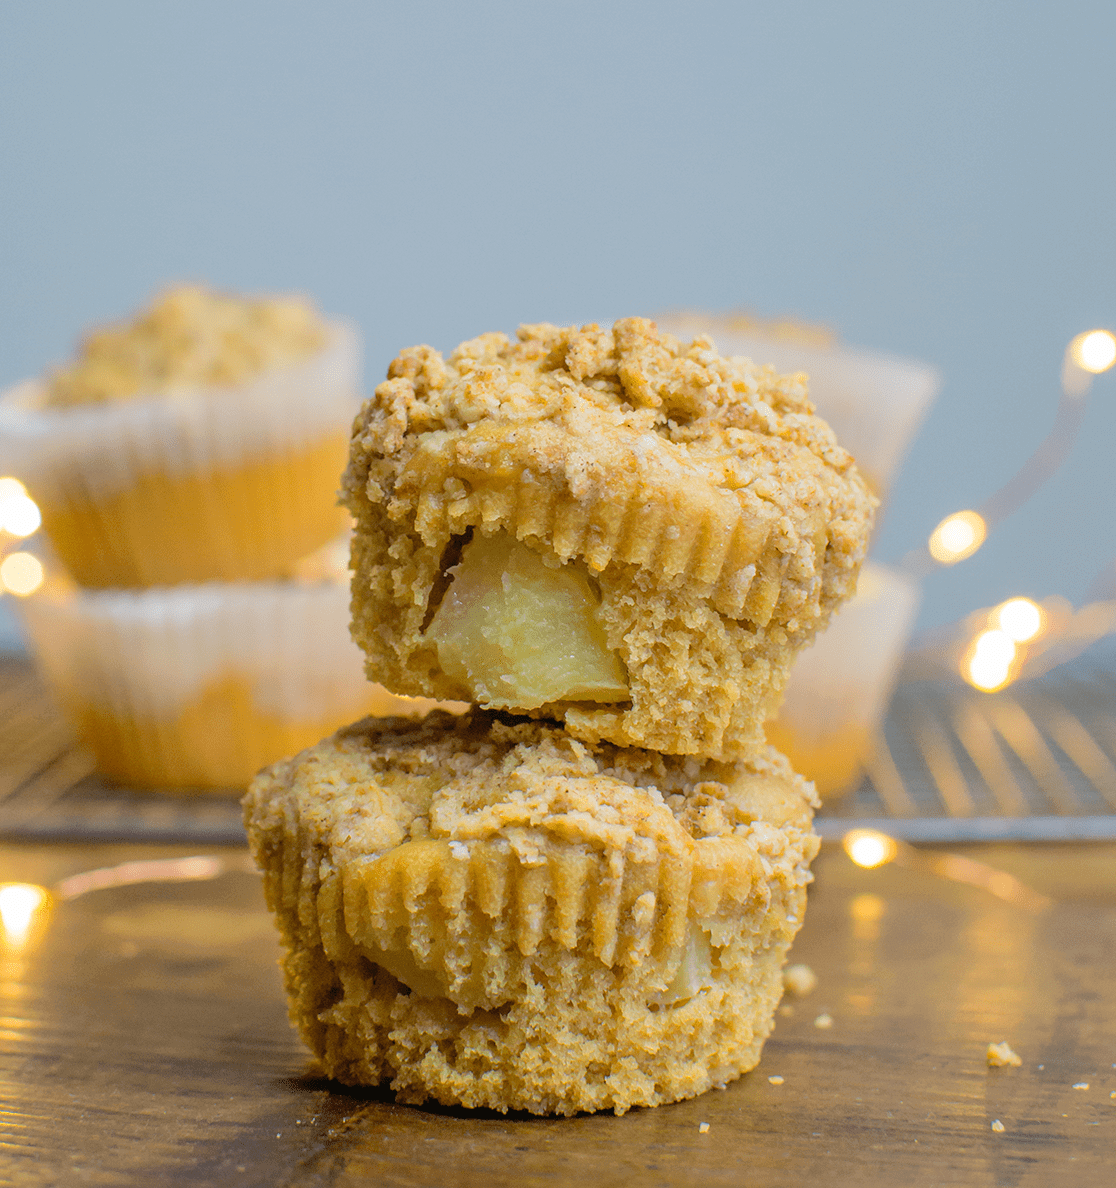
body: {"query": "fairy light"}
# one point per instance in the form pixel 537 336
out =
pixel 958 536
pixel 11 488
pixel 1094 351
pixel 21 573
pixel 1020 619
pixel 21 517
pixel 20 903
pixel 19 514
pixel 988 664
pixel 869 848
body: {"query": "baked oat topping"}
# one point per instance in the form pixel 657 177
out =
pixel 189 337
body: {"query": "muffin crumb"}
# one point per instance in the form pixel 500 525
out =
pixel 999 1055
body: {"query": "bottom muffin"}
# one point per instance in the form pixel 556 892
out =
pixel 484 911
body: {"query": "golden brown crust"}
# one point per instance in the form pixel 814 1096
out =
pixel 526 889
pixel 189 337
pixel 701 493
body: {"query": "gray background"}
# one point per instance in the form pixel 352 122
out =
pixel 931 180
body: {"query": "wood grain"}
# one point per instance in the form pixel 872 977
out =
pixel 143 1040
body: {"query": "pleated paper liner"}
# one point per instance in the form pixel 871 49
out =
pixel 874 402
pixel 615 875
pixel 667 516
pixel 698 682
pixel 201 485
pixel 840 686
pixel 201 686
pixel 566 1033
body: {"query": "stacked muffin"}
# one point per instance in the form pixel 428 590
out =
pixel 185 464
pixel 578 895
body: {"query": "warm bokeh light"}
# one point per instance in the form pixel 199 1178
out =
pixel 988 664
pixel 154 870
pixel 19 904
pixel 867 908
pixel 11 488
pixel 869 848
pixel 1020 619
pixel 957 537
pixel 21 573
pixel 962 869
pixel 20 516
pixel 1094 351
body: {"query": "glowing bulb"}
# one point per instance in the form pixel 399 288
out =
pixel 11 488
pixel 957 537
pixel 21 573
pixel 18 904
pixel 988 666
pixel 1020 619
pixel 869 848
pixel 20 515
pixel 1094 351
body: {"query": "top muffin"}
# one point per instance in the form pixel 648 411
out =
pixel 605 527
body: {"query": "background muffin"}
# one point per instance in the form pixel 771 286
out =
pixel 200 442
pixel 199 687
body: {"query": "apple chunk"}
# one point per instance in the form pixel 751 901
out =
pixel 517 633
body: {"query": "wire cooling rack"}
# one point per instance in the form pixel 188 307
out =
pixel 1034 762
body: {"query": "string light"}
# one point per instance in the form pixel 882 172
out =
pixel 19 514
pixel 988 663
pixel 21 573
pixel 1095 351
pixel 958 536
pixel 1020 619
pixel 20 903
pixel 869 848
pixel 11 488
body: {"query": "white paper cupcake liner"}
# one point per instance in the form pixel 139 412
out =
pixel 88 451
pixel 144 661
pixel 839 688
pixel 874 402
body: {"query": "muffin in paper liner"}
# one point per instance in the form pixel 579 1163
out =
pixel 485 911
pixel 198 687
pixel 840 686
pixel 875 402
pixel 193 484
pixel 702 522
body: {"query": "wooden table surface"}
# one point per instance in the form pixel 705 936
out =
pixel 143 1040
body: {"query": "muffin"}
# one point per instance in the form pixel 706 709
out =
pixel 200 442
pixel 874 402
pixel 198 687
pixel 839 688
pixel 485 911
pixel 606 528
